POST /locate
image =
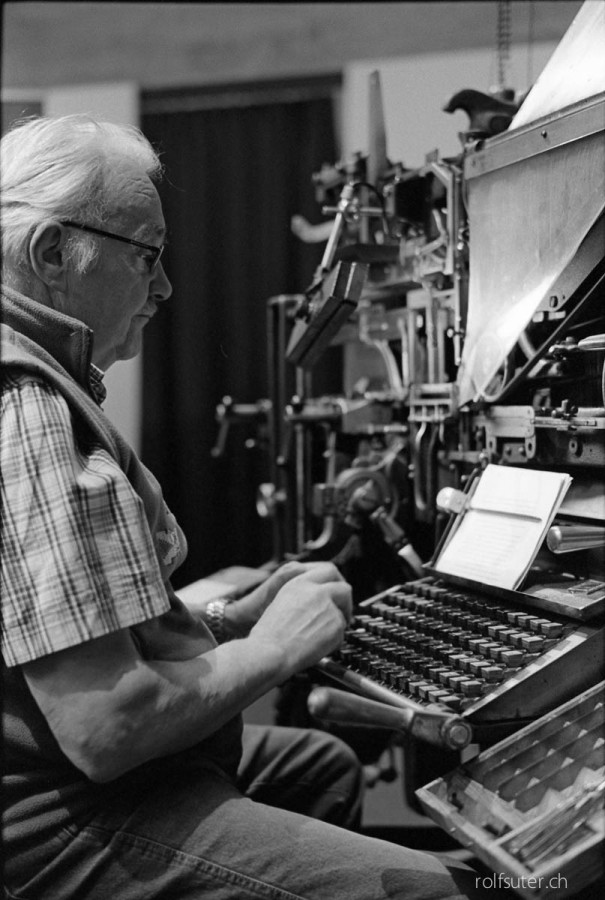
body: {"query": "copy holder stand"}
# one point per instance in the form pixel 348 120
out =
pixel 325 313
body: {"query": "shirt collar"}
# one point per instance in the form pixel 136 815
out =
pixel 98 389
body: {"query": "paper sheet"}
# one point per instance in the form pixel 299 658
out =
pixel 528 219
pixel 504 525
pixel 575 70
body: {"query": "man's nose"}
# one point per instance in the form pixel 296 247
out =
pixel 160 288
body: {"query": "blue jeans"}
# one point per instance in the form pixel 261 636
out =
pixel 198 835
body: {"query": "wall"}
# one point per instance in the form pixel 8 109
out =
pixel 160 45
pixel 415 89
pixel 96 57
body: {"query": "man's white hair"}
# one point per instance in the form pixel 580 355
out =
pixel 60 168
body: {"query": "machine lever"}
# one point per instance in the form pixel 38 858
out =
pixel 434 726
pixel 396 538
pixel 228 412
pixel 565 538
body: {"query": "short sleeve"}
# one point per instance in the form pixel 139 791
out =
pixel 78 559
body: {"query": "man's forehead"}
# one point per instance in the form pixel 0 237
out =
pixel 141 225
pixel 141 210
pixel 156 230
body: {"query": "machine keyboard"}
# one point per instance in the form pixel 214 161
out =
pixel 448 646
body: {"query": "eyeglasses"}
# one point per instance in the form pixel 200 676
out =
pixel 156 251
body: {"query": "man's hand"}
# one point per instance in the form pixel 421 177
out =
pixel 306 618
pixel 244 613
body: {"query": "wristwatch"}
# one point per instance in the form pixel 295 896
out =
pixel 215 616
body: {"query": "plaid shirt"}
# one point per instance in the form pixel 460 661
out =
pixel 78 559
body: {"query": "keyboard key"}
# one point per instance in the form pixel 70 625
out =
pixel 495 631
pixel 401 616
pixel 508 635
pixel 465 663
pixel 537 624
pixel 473 688
pixel 512 658
pixel 534 642
pixel 455 659
pixel 433 672
pixel 516 640
pixel 419 688
pixel 398 680
pixel 456 680
pixel 392 675
pixel 485 648
pixel 436 694
pixel 551 629
pixel 494 674
pixel 453 701
pixel 495 651
pixel 483 625
pixel 440 650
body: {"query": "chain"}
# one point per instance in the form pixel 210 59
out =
pixel 530 43
pixel 503 32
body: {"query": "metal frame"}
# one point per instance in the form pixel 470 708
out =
pixel 574 123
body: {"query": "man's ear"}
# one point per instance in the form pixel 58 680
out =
pixel 47 255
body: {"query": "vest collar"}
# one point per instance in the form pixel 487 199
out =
pixel 68 340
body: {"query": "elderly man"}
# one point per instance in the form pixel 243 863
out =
pixel 126 775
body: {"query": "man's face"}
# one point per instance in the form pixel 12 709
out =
pixel 119 294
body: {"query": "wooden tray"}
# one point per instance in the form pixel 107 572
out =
pixel 513 802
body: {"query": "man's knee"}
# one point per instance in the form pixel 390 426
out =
pixel 338 774
pixel 339 757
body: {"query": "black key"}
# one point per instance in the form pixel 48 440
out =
pixel 453 701
pixel 495 631
pixel 508 635
pixel 536 624
pixel 416 688
pixel 516 640
pixel 401 616
pixel 494 674
pixel 551 629
pixel 435 694
pixel 512 658
pixel 535 643
pixel 455 682
pixel 473 688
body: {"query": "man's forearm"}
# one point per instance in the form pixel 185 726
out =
pixel 111 711
pixel 200 695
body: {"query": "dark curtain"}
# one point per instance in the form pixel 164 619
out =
pixel 234 178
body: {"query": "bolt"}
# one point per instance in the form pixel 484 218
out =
pixel 575 447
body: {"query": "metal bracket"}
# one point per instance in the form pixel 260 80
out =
pixel 503 423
